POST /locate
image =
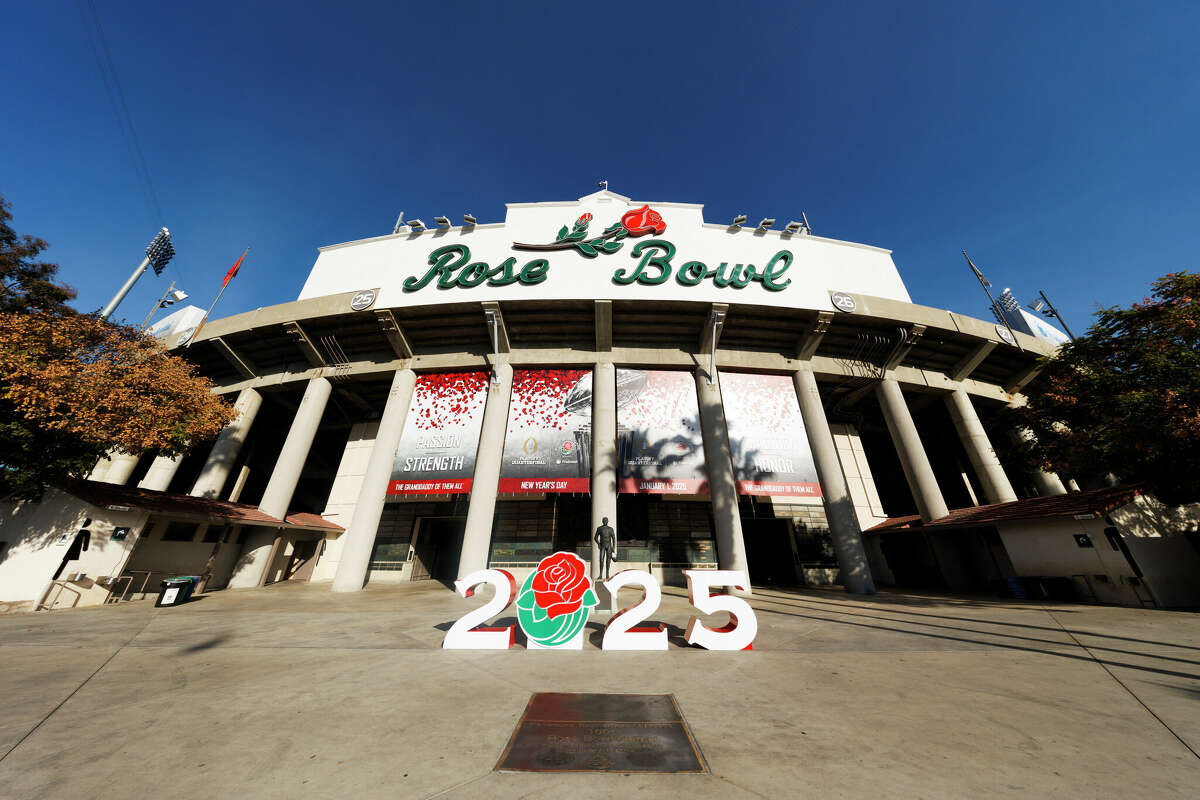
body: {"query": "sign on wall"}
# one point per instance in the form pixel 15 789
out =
pixel 547 445
pixel 767 440
pixel 658 429
pixel 441 434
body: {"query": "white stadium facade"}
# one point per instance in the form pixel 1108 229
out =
pixel 734 396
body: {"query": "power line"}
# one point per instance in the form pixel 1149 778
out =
pixel 116 96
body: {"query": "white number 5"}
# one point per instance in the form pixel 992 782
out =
pixel 739 632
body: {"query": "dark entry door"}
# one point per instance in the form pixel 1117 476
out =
pixel 439 544
pixel 302 561
pixel 769 552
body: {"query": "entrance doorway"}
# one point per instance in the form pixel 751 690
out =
pixel 302 560
pixel 437 549
pixel 769 551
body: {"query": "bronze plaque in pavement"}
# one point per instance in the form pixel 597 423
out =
pixel 570 732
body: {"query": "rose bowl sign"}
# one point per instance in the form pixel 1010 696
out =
pixel 605 247
pixel 554 603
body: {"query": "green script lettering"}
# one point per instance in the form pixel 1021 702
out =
pixel 663 262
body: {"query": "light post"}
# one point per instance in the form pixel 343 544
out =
pixel 158 254
pixel 170 297
pixel 1047 309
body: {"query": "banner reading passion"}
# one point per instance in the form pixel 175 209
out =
pixel 548 442
pixel 441 434
pixel 658 427
pixel 767 440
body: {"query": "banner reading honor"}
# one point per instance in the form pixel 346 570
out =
pixel 767 439
pixel 658 425
pixel 547 445
pixel 441 434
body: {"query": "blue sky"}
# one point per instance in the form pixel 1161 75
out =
pixel 1057 143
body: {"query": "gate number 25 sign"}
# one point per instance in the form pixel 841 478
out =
pixel 554 602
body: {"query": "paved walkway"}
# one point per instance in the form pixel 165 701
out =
pixel 294 691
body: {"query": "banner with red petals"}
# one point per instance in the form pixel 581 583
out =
pixel 441 435
pixel 547 446
pixel 767 440
pixel 658 426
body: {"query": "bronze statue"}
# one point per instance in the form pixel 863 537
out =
pixel 606 539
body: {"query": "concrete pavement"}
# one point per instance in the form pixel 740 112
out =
pixel 293 690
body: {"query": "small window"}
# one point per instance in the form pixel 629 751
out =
pixel 179 532
pixel 212 535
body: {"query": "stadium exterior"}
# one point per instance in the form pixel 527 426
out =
pixel 440 400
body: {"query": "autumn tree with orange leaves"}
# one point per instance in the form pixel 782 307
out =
pixel 73 387
pixel 1125 398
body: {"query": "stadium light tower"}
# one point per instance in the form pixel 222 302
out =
pixel 158 254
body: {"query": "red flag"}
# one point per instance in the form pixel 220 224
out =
pixel 234 269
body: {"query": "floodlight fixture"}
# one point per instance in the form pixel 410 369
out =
pixel 793 227
pixel 766 223
pixel 175 296
pixel 738 221
pixel 160 251
pixel 158 254
pixel 1036 305
pixel 442 222
pixel 416 226
pixel 469 219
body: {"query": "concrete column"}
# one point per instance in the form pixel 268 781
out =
pixel 603 453
pixel 995 484
pixel 731 547
pixel 917 471
pixel 229 443
pixel 123 465
pixel 115 468
pixel 252 565
pixel 839 507
pixel 161 471
pixel 286 474
pixel 477 534
pixel 1047 484
pixel 364 524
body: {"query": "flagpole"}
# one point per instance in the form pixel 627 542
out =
pixel 995 308
pixel 224 286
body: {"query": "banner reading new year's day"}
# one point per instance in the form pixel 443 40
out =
pixel 441 434
pixel 658 427
pixel 548 441
pixel 767 440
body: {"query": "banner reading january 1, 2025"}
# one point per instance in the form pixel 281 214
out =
pixel 767 440
pixel 548 441
pixel 658 424
pixel 441 434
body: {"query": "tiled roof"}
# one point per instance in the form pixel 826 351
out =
pixel 1096 501
pixel 107 494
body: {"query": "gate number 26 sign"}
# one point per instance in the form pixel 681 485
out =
pixel 554 602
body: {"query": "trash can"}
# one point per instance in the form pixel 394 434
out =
pixel 176 590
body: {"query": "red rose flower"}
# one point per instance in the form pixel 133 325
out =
pixel 583 219
pixel 560 584
pixel 643 220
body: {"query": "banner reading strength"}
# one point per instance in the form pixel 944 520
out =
pixel 548 443
pixel 770 448
pixel 441 434
pixel 658 425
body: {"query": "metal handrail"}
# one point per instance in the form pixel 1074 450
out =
pixel 61 584
pixel 130 573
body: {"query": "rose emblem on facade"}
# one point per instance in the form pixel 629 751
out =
pixel 643 220
pixel 554 602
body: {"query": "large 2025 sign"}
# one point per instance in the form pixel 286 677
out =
pixel 554 602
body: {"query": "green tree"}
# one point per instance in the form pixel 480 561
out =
pixel 27 284
pixel 1125 397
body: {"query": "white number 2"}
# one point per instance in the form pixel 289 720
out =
pixel 739 632
pixel 463 635
pixel 620 634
